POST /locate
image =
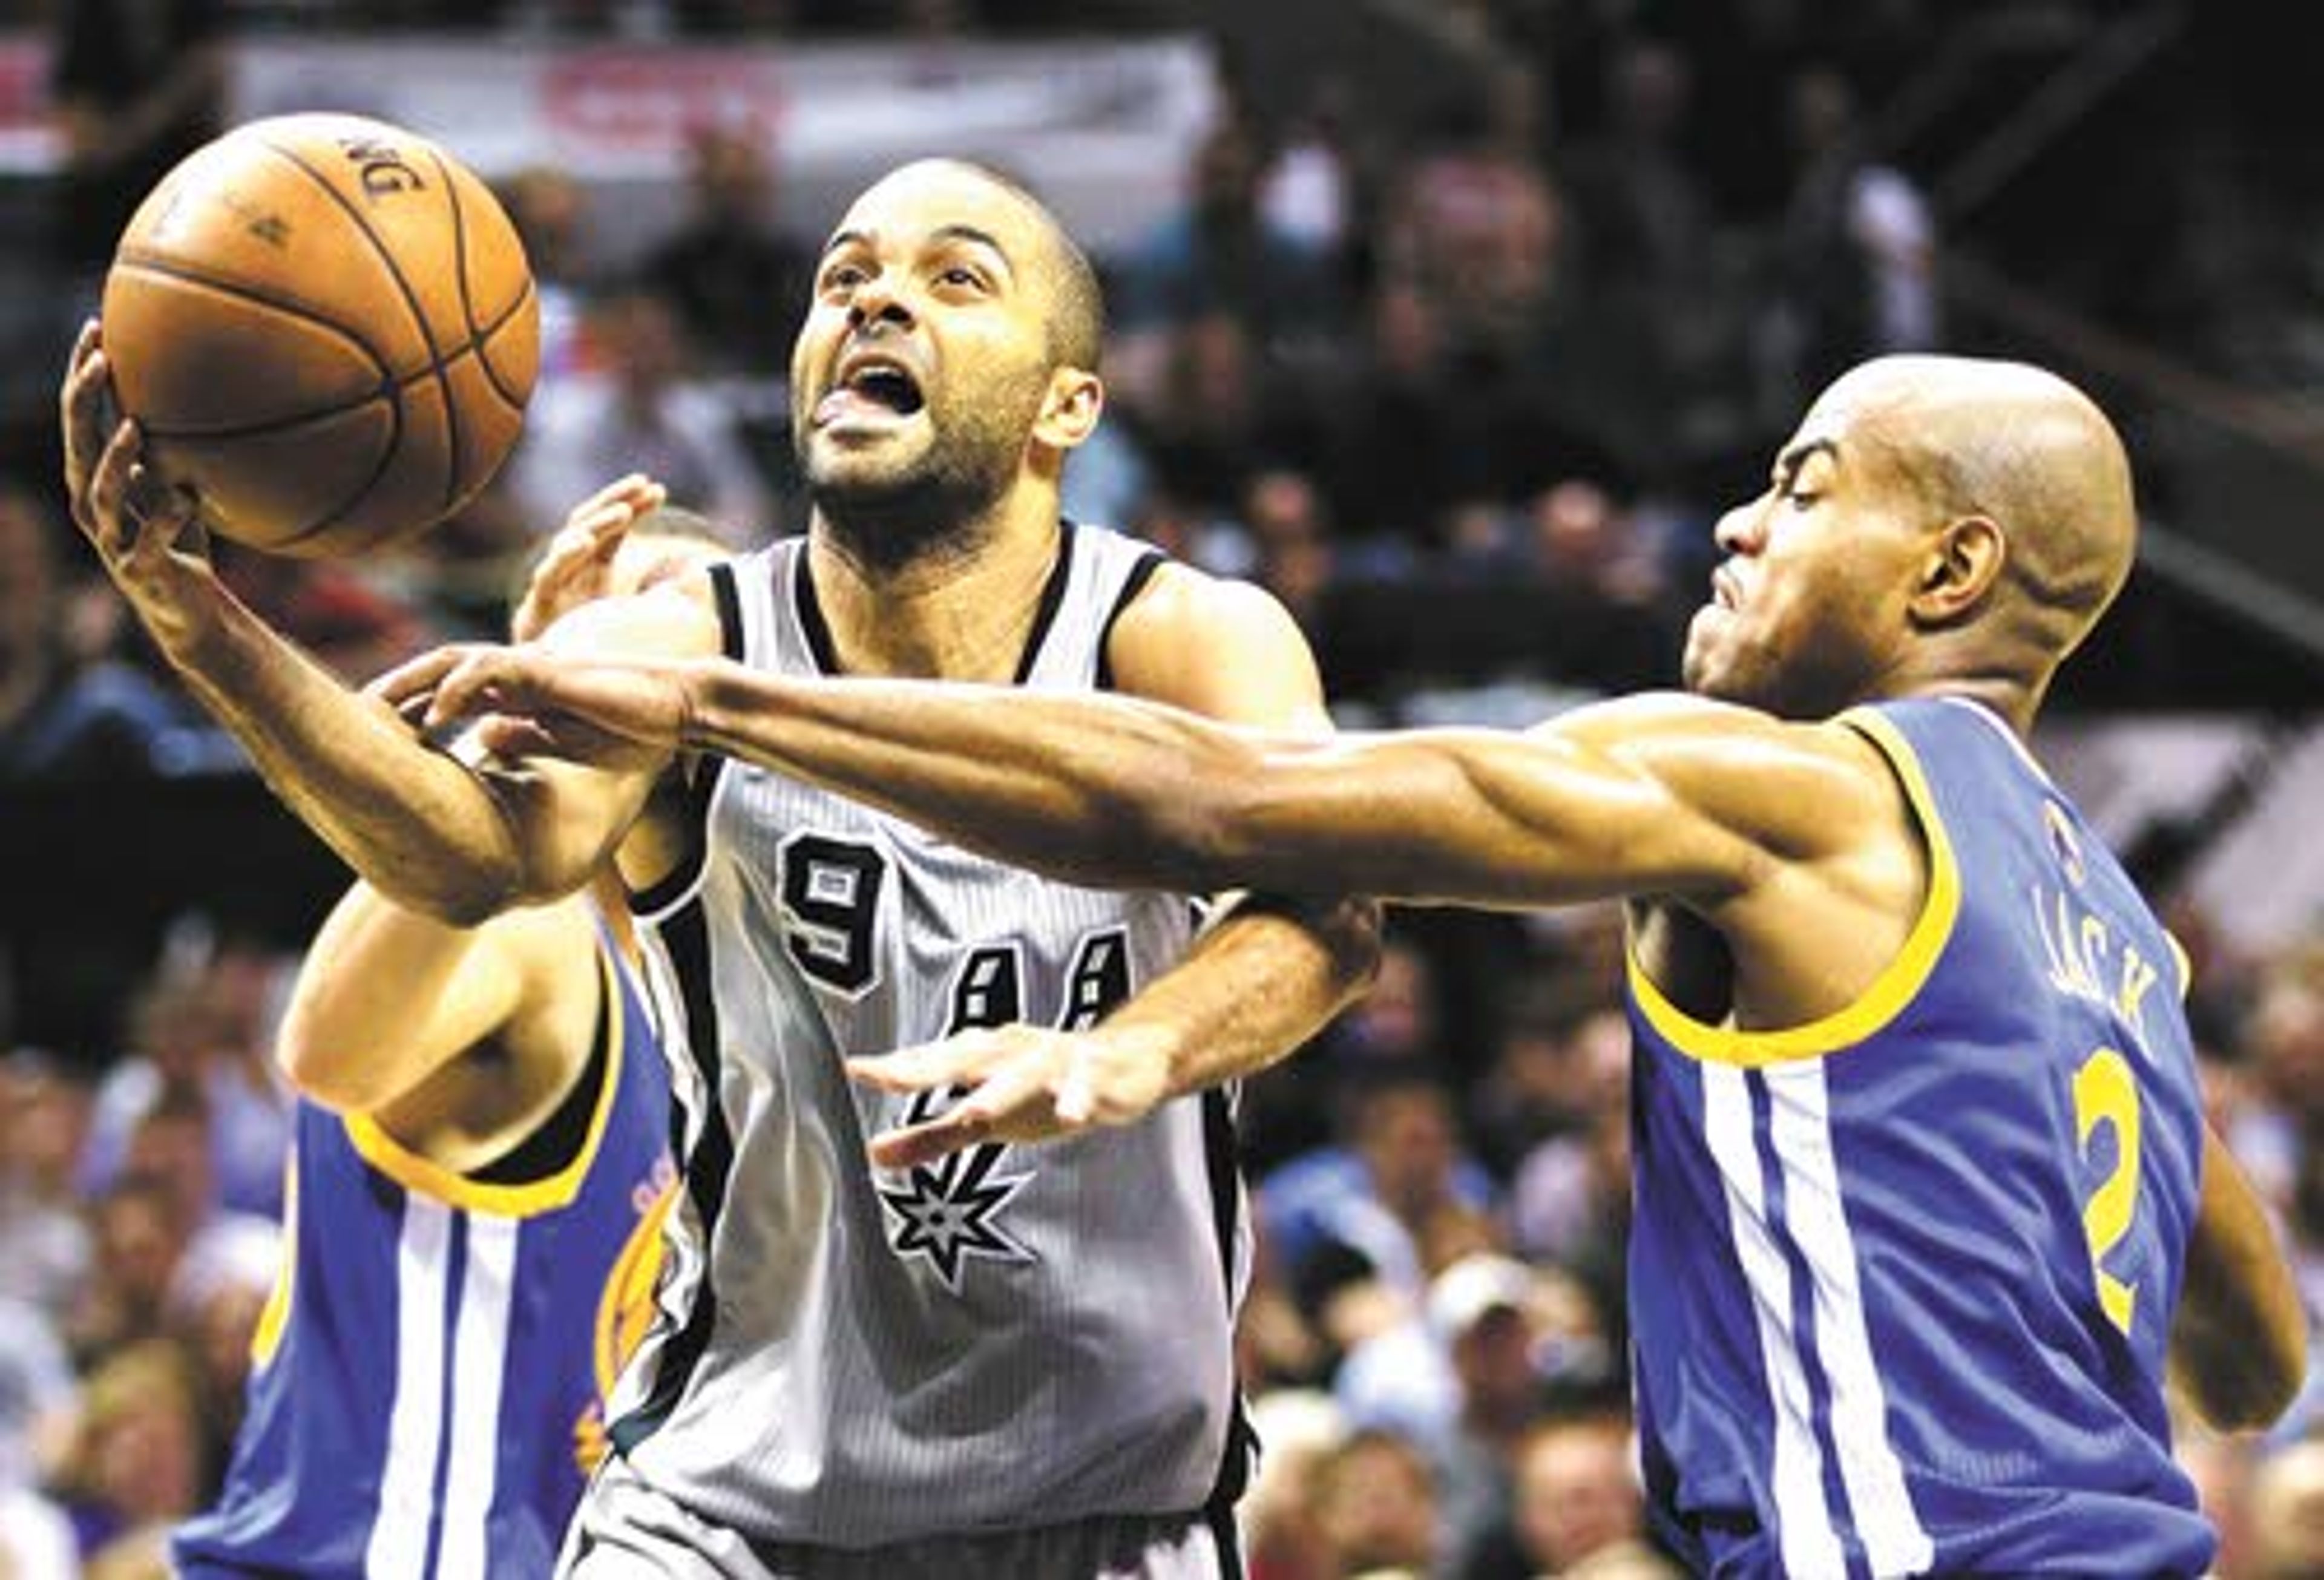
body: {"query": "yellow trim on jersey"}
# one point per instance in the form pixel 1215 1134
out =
pixel 2186 965
pixel 407 1169
pixel 1895 987
pixel 275 1315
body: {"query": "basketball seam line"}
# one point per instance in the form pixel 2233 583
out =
pixel 388 388
pixel 155 263
pixel 418 318
pixel 480 336
pixel 452 473
pixel 388 391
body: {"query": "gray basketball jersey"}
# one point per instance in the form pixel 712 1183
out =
pixel 1014 1336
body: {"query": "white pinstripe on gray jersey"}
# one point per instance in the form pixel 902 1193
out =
pixel 1017 1337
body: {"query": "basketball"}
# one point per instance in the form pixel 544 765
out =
pixel 326 325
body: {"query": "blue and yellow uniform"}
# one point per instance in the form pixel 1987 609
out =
pixel 1903 1279
pixel 427 1397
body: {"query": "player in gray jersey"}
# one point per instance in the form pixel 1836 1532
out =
pixel 870 1360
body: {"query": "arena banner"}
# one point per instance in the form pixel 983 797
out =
pixel 1103 128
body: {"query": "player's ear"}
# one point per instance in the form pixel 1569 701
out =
pixel 1964 564
pixel 1070 407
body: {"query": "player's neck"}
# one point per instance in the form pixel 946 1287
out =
pixel 963 610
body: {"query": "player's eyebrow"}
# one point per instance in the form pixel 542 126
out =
pixel 845 238
pixel 974 238
pixel 1800 455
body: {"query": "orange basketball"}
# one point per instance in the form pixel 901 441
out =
pixel 325 325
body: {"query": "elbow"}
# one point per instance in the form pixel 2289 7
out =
pixel 2268 1389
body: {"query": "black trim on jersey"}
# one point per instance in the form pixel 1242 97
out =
pixel 687 936
pixel 552 1145
pixel 1221 1518
pixel 1151 561
pixel 1226 1192
pixel 825 653
pixel 809 610
pixel 1053 596
pixel 647 903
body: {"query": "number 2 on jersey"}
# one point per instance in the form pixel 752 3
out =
pixel 2106 1093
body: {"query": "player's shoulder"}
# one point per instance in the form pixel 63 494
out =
pixel 1792 782
pixel 1182 607
pixel 1217 645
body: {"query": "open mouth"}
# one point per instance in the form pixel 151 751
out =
pixel 884 384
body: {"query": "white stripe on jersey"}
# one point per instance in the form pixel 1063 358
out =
pixel 1894 1541
pixel 398 1550
pixel 1810 1547
pixel 479 1361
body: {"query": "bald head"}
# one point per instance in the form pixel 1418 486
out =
pixel 1076 317
pixel 2024 449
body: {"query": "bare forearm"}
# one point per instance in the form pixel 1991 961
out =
pixel 418 825
pixel 1255 988
pixel 1097 792
pixel 2238 1343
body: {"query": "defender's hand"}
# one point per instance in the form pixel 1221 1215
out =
pixel 578 567
pixel 1021 1083
pixel 540 701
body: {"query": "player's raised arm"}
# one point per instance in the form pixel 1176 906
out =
pixel 429 830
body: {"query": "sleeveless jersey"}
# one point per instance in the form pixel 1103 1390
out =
pixel 1016 1336
pixel 1903 1279
pixel 427 1395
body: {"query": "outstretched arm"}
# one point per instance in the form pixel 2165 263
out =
pixel 449 838
pixel 2239 1342
pixel 1661 796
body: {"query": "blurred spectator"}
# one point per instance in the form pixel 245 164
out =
pixel 1857 255
pixel 1208 429
pixel 141 1238
pixel 551 210
pixel 338 614
pixel 1282 1529
pixel 1351 1223
pixel 1376 1508
pixel 1580 1510
pixel 641 409
pixel 135 1466
pixel 1401 440
pixel 739 283
pixel 36 1396
pixel 69 706
pixel 137 85
pixel 199 1034
pixel 44 1242
pixel 1224 254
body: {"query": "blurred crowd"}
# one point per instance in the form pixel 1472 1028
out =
pixel 1466 391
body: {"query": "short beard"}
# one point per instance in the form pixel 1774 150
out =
pixel 939 509
pixel 934 513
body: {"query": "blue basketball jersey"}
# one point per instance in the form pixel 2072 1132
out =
pixel 426 1397
pixel 1902 1280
